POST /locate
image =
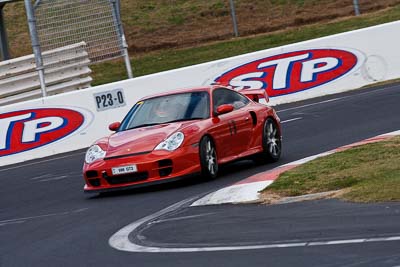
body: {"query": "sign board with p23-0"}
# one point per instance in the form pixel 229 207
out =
pixel 109 99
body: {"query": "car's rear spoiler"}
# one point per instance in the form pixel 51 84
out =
pixel 255 94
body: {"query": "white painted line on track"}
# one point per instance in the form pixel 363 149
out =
pixel 7 223
pixel 338 98
pixel 120 240
pixel 308 159
pixel 182 218
pixel 295 119
pixel 39 162
pixel 312 104
pixel 42 216
pixel 41 176
pixel 53 179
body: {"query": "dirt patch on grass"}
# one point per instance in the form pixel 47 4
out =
pixel 254 17
pixel 272 198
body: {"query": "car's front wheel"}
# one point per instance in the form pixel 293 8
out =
pixel 208 158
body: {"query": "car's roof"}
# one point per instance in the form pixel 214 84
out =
pixel 185 90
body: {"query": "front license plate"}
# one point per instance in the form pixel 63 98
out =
pixel 124 169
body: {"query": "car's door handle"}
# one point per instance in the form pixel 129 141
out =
pixel 246 118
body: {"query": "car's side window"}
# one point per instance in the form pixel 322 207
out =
pixel 225 96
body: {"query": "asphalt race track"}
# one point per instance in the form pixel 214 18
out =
pixel 47 220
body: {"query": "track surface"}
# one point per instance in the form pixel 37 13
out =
pixel 46 220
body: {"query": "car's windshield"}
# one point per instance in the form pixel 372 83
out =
pixel 169 108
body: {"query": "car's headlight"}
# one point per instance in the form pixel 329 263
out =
pixel 172 142
pixel 94 153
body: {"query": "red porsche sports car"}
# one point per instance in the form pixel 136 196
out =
pixel 176 134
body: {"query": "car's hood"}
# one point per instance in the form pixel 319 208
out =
pixel 143 139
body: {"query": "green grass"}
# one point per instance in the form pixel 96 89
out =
pixel 145 14
pixel 370 173
pixel 175 58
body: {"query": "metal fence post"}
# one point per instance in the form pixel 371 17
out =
pixel 120 30
pixel 4 53
pixel 30 13
pixel 356 7
pixel 234 20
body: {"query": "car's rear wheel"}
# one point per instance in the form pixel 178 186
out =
pixel 208 158
pixel 271 142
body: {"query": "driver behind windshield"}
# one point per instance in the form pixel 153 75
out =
pixel 166 110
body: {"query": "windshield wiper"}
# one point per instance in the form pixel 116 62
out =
pixel 185 119
pixel 143 125
pixel 158 123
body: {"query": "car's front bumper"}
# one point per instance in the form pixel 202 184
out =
pixel 152 168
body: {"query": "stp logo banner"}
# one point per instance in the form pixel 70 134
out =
pixel 292 72
pixel 33 128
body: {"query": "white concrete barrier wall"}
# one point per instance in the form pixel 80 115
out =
pixel 329 65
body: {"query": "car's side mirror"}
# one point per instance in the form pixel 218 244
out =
pixel 114 126
pixel 225 108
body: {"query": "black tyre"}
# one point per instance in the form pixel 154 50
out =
pixel 208 158
pixel 271 142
